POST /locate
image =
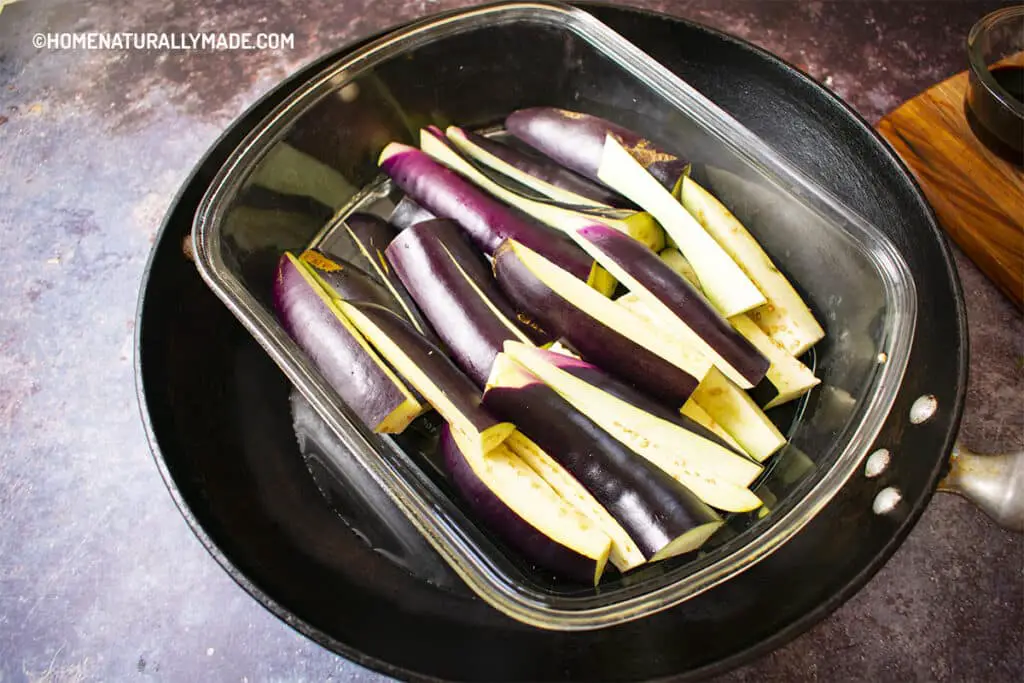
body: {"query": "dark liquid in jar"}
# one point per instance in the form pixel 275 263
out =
pixel 1010 79
pixel 992 123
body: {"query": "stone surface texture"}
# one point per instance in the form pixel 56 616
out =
pixel 100 578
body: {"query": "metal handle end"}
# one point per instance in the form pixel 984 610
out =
pixel 995 483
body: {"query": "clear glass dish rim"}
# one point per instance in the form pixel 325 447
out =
pixel 521 603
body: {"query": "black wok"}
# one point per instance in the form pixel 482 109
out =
pixel 218 415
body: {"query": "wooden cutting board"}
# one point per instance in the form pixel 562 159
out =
pixel 977 196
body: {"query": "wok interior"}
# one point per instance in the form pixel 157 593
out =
pixel 326 157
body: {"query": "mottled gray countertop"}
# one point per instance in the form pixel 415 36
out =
pixel 100 578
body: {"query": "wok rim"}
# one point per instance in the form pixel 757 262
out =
pixel 221 148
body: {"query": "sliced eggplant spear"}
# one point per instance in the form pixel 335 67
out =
pixel 536 172
pixel 576 141
pixel 784 317
pixel 372 235
pixel 599 379
pixel 659 513
pixel 486 220
pixel 629 164
pixel 738 414
pixel 519 506
pixel 363 381
pixel 695 413
pixel 640 226
pixel 786 379
pixel 715 473
pixel 453 288
pixel 480 273
pixel 430 372
pixel 677 262
pixel 602 331
pixel 674 303
pixel 624 554
pixel 408 213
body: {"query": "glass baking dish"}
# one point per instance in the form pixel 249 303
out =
pixel 312 162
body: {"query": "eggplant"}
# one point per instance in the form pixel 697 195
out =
pixel 430 372
pixel 372 235
pixel 408 213
pixel 677 262
pixel 599 379
pixel 661 515
pixel 738 414
pixel 715 473
pixel 342 280
pixel 640 226
pixel 487 221
pixel 479 271
pixel 533 171
pixel 468 312
pixel 692 411
pixel 599 329
pixel 785 316
pixel 674 303
pixel 787 379
pixel 366 385
pixel 625 162
pixel 624 553
pixel 520 507
pixel 576 141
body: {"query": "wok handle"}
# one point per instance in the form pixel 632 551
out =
pixel 995 483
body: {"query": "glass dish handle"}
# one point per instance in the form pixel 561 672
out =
pixel 995 483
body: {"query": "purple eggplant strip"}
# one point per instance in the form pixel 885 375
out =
pixel 486 220
pixel 352 370
pixel 679 296
pixel 576 141
pixel 531 542
pixel 593 340
pixel 454 290
pixel 372 235
pixel 544 169
pixel 651 506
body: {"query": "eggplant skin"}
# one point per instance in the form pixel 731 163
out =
pixel 352 369
pixel 372 235
pixel 592 339
pixel 576 141
pixel 480 272
pixel 545 169
pixel 651 506
pixel 532 543
pixel 372 232
pixel 679 296
pixel 594 376
pixel 487 221
pixel 434 262
pixel 440 371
